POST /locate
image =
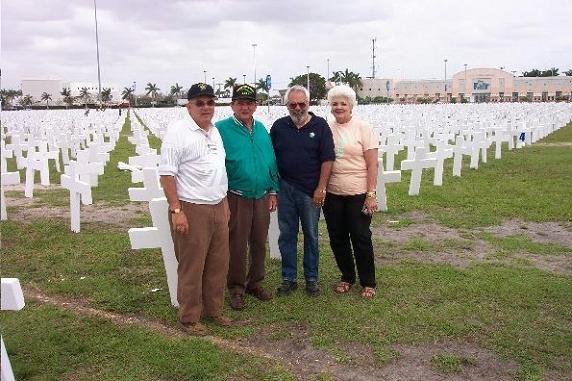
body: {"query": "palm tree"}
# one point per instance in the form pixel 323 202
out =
pixel 153 90
pixel 176 90
pixel 229 83
pixel 68 99
pixel 127 93
pixel 46 97
pixel 350 78
pixel 84 95
pixel 261 85
pixel 106 95
pixel 26 101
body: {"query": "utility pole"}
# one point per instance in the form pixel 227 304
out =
pixel 97 48
pixel 373 58
pixel 308 79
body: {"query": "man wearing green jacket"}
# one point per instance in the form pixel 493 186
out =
pixel 252 188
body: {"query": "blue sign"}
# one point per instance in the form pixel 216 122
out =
pixel 268 81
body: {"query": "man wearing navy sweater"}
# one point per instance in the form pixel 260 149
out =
pixel 304 150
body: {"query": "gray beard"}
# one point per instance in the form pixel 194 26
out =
pixel 299 119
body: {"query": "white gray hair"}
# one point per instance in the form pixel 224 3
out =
pixel 297 88
pixel 343 91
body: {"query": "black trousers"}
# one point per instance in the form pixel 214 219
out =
pixel 348 227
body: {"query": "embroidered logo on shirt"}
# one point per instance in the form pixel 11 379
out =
pixel 311 135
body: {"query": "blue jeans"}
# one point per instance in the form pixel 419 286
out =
pixel 295 206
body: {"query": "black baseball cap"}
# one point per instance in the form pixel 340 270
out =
pixel 200 90
pixel 244 91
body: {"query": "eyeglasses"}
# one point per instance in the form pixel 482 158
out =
pixel 294 105
pixel 209 103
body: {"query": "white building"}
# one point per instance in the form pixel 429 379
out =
pixel 36 87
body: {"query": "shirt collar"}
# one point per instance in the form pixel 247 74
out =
pixel 193 126
pixel 242 124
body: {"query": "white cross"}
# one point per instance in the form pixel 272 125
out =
pixel 6 178
pixel 151 187
pixel 87 169
pixel 159 236
pixel 12 300
pixel 385 177
pixel 149 160
pixel 79 190
pixel 416 165
pixel 391 149
pixel 443 152
pixel 4 154
pixel 459 149
pixel 17 147
pixel 36 161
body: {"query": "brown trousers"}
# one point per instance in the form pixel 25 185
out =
pixel 203 260
pixel 249 221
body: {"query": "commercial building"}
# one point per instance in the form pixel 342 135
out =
pixel 473 85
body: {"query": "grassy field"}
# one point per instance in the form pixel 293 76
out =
pixel 518 312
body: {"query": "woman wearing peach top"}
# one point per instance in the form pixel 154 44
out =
pixel 350 198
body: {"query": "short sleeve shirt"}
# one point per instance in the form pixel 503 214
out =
pixel 196 159
pixel 349 173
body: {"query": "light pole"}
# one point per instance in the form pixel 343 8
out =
pixel 213 83
pixel 97 49
pixel 244 78
pixel 328 72
pixel 254 55
pixel 134 94
pixel 205 72
pixel 445 60
pixel 308 79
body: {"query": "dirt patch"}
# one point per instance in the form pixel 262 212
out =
pixel 24 210
pixel 428 231
pixel 414 363
pixel 544 232
pixel 558 264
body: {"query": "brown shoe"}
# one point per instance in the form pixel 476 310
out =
pixel 260 293
pixel 221 320
pixel 194 329
pixel 237 302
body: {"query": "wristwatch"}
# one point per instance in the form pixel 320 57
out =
pixel 370 194
pixel 175 211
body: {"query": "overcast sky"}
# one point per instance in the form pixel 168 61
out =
pixel 172 41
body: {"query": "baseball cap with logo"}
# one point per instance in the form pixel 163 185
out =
pixel 244 91
pixel 200 90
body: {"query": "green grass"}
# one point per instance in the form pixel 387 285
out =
pixel 519 312
pixel 560 136
pixel 450 363
pixel 58 345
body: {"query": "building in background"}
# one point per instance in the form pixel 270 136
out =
pixel 54 87
pixel 472 85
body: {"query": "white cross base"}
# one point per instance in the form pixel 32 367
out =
pixel 159 236
pixel 12 300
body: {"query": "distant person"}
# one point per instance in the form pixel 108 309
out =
pixel 194 179
pixel 305 153
pixel 252 189
pixel 351 198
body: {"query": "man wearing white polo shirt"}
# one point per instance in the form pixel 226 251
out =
pixel 194 179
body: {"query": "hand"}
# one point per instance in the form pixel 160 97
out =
pixel 180 223
pixel 272 202
pixel 370 205
pixel 319 197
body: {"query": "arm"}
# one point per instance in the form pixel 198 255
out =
pixel 180 223
pixel 371 161
pixel 320 192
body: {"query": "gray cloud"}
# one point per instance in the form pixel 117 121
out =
pixel 176 41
